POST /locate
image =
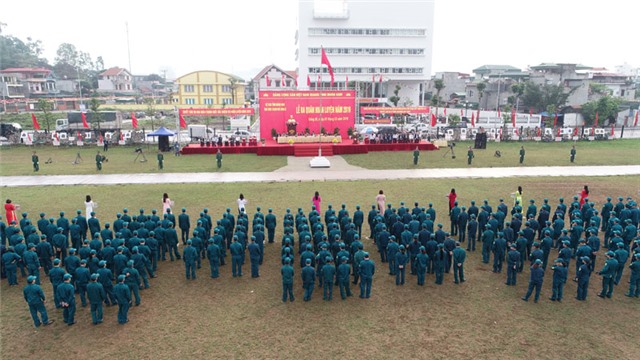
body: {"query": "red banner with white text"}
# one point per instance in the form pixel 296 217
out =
pixel 308 109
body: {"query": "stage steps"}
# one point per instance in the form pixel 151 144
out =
pixel 312 150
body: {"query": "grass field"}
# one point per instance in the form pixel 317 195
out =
pixel 619 152
pixel 245 318
pixel 17 161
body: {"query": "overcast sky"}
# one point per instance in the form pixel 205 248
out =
pixel 242 36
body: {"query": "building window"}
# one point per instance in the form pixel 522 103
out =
pixel 188 88
pixel 227 101
pixel 207 101
pixel 190 101
pixel 366 32
pixel 369 51
pixel 226 88
pixel 207 88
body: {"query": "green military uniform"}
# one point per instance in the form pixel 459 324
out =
pixel 470 155
pixel 573 154
pixel 97 295
pixel 36 162
pixel 219 159
pixel 522 154
pixel 416 155
pixel 160 161
pixel 98 161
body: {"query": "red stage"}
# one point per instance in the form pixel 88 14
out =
pixel 273 148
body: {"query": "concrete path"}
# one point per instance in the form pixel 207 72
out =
pixel 319 175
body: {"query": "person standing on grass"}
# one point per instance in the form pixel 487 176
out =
pixel 242 203
pixel 219 158
pixel 34 296
pixel 584 194
pixel 36 162
pixel 634 279
pixel 416 155
pixel 10 211
pixel 317 201
pixel 67 296
pixel 189 256
pixel 254 257
pixel 452 196
pixel 584 272
pixel 344 272
pixel 366 269
pixel 513 264
pixel 167 203
pixel 535 281
pixel 99 160
pixel 572 155
pixel 522 152
pixel 308 279
pixel 459 256
pixel 608 274
pixel 559 279
pixel 287 280
pixel 123 296
pixel 160 160
pixel 380 200
pixel 470 155
pixel 97 295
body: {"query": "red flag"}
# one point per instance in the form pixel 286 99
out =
pixel 134 120
pixel 513 117
pixel 539 131
pixel 183 123
pixel 29 137
pixel 346 82
pixel 283 83
pixel 461 113
pixel 473 119
pixel 433 120
pixel 296 80
pixel 308 81
pixel 57 137
pixel 373 78
pixel 478 114
pixel 530 111
pixel 575 132
pixel 559 131
pixel 612 132
pixel 84 121
pixel 100 139
pixel 36 126
pixel 319 83
pixel 121 136
pixel 555 120
pixel 635 122
pixel 596 122
pixel 325 61
pixel 445 111
pixel 499 114
pixel 380 78
pixel 79 136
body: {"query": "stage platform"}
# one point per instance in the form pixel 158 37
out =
pixel 273 148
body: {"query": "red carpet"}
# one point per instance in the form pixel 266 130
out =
pixel 273 148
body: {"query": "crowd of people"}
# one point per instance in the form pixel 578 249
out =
pixel 108 263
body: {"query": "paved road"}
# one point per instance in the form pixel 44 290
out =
pixel 318 175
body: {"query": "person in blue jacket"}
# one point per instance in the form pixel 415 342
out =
pixel 513 264
pixel 123 296
pixel 584 272
pixel 344 273
pixel 401 264
pixel 34 296
pixel 535 281
pixel 189 256
pixel 287 281
pixel 366 270
pixel 560 274
pixel 67 296
pixel 308 279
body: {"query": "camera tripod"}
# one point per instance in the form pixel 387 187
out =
pixel 78 159
pixel 139 152
pixel 453 154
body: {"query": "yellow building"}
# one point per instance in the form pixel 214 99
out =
pixel 209 89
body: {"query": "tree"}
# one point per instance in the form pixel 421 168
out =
pixel 233 82
pixel 45 107
pixel 454 119
pixel 607 108
pixel 439 85
pixel 518 91
pixel 395 98
pixel 154 77
pixel 151 111
pixel 70 62
pixel 481 87
pixel 16 53
pixel 539 97
pixel 94 106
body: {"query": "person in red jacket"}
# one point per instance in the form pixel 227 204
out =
pixel 452 199
pixel 10 209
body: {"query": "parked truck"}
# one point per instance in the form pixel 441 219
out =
pixel 200 132
pixel 73 122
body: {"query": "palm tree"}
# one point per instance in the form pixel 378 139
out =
pixel 481 86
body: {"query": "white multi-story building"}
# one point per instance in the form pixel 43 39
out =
pixel 374 44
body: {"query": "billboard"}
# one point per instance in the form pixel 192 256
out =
pixel 309 109
pixel 217 112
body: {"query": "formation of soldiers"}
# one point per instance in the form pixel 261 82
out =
pixel 83 258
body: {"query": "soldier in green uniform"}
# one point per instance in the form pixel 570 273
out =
pixel 99 161
pixel 416 155
pixel 328 275
pixel 123 296
pixel 470 155
pixel 67 296
pixel 160 160
pixel 287 280
pixel 572 157
pixel 34 296
pixel 634 279
pixel 459 255
pixel 219 158
pixel 522 154
pixel 608 273
pixel 36 162
pixel 97 295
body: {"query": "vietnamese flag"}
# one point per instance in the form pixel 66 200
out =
pixel 575 132
pixel 308 81
pixel 134 120
pixel 121 136
pixel 433 120
pixel 325 61
pixel 346 84
pixel 57 137
pixel 559 130
pixel 79 136
pixel 530 111
pixel 100 139
pixel 283 82
pixel 36 126
pixel 380 78
pixel 635 122
pixel 461 113
pixel 473 119
pixel 84 121
pixel 296 80
pixel 612 133
pixel 596 122
pixel 555 120
pixel 499 114
pixel 183 123
pixel 513 117
pixel 445 111
pixel 319 81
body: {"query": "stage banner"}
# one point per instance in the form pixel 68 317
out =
pixel 217 112
pixel 294 111
pixel 377 110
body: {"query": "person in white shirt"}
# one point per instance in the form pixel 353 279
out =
pixel 166 203
pixel 89 205
pixel 242 202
